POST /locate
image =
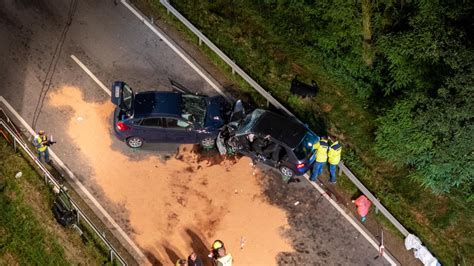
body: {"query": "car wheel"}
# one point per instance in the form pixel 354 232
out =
pixel 288 172
pixel 208 142
pixel 135 142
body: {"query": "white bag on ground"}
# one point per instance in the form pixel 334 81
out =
pixel 421 252
pixel 411 241
pixel 426 257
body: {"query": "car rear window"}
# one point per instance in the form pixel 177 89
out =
pixel 305 148
pixel 127 95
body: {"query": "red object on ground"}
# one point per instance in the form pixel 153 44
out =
pixel 363 205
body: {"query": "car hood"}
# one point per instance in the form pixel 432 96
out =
pixel 217 112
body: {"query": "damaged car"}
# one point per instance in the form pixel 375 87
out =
pixel 278 141
pixel 167 116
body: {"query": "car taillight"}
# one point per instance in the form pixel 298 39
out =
pixel 121 126
pixel 300 165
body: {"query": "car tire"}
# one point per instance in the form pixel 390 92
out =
pixel 286 171
pixel 134 142
pixel 208 143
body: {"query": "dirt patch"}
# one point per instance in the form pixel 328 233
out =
pixel 9 259
pixel 182 203
pixel 326 107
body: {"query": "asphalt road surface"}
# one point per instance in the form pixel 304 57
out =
pixel 35 47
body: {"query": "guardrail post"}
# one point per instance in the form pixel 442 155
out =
pixel 376 209
pixel 14 144
pixel 200 41
pixel 340 171
pixel 111 256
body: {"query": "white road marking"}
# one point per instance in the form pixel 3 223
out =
pixel 93 77
pixel 175 49
pixel 348 218
pixel 78 183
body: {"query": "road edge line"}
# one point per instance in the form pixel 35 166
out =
pixel 78 183
pixel 388 256
pixel 175 48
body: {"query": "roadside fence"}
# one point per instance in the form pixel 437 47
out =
pixel 7 126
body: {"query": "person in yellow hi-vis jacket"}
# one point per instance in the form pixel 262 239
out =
pixel 321 148
pixel 219 254
pixel 41 144
pixel 225 259
pixel 334 157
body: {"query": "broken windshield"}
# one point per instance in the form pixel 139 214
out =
pixel 249 121
pixel 194 109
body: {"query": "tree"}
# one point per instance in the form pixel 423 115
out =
pixel 431 127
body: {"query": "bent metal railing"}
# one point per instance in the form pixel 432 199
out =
pixel 57 187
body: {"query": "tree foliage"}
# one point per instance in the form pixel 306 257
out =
pixel 430 126
pixel 411 61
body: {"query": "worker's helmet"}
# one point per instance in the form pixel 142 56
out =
pixel 217 244
pixel 41 132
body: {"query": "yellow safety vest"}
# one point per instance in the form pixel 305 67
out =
pixel 40 147
pixel 225 261
pixel 334 153
pixel 321 151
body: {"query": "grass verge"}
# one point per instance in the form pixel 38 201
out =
pixel 28 232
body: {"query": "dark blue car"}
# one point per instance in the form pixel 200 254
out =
pixel 167 116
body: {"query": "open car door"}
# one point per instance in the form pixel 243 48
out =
pixel 123 96
pixel 238 112
pixel 178 87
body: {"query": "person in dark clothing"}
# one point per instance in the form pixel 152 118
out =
pixel 194 260
pixel 259 144
pixel 271 151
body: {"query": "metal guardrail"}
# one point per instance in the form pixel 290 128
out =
pixel 49 179
pixel 343 169
pixel 274 102
pixel 235 68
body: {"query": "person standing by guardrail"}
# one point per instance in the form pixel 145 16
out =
pixel 334 157
pixel 41 143
pixel 321 148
